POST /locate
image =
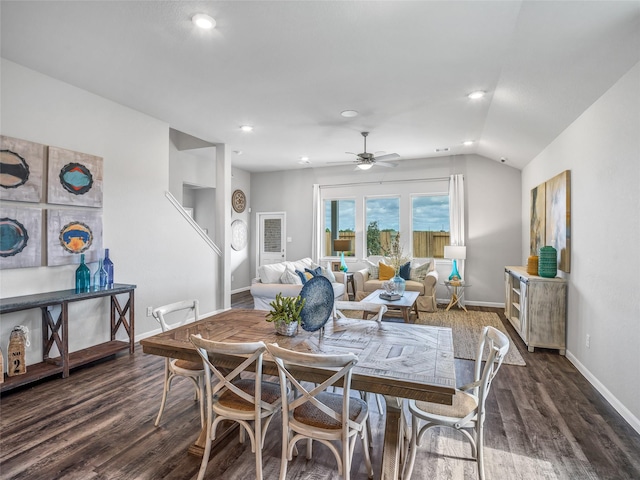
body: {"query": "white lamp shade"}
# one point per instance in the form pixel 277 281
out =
pixel 457 252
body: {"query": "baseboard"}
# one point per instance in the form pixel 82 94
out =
pixel 615 403
pixel 240 290
pixel 159 330
pixel 472 303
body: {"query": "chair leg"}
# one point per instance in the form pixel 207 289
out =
pixel 201 399
pixel 309 448
pixel 365 447
pixel 165 390
pixel 207 453
pixel 480 449
pixel 408 468
pixel 284 460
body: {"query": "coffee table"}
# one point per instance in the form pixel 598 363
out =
pixel 404 304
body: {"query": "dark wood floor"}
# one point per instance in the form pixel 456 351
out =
pixel 545 422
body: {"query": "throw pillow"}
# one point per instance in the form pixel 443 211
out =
pixel 405 271
pixel 386 272
pixel 304 276
pixel 328 274
pixel 374 271
pixel 419 273
pixel 290 277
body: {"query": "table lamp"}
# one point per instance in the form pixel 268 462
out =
pixel 342 245
pixel 455 252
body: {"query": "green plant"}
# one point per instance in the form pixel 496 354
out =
pixel 286 309
pixel 395 254
pixel 374 246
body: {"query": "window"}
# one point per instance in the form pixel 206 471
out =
pixel 340 223
pixel 429 225
pixel 382 217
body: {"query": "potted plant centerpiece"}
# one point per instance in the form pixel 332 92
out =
pixel 396 258
pixel 285 314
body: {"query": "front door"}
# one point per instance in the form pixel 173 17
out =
pixel 271 232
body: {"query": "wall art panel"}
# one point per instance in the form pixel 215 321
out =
pixel 538 211
pixel 72 232
pixel 558 218
pixel 20 237
pixel 74 178
pixel 21 170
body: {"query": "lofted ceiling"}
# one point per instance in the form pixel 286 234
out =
pixel 288 68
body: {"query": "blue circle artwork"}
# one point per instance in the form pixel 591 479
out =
pixel 318 305
pixel 14 170
pixel 76 178
pixel 13 237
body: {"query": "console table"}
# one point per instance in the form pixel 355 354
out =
pixel 56 332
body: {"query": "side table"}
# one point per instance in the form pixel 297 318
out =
pixel 456 290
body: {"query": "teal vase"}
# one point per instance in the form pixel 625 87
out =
pixel 83 276
pixel 343 264
pixel 454 273
pixel 548 262
pixel 399 284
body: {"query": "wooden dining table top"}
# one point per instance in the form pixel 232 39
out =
pixel 394 359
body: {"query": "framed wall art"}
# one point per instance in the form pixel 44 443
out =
pixel 72 232
pixel 74 178
pixel 538 225
pixel 20 237
pixel 21 170
pixel 558 218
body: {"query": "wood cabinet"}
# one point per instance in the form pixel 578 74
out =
pixel 537 308
pixel 55 331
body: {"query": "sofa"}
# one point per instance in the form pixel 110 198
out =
pixel 287 278
pixel 423 279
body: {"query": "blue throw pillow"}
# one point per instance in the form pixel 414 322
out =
pixel 315 272
pixel 405 271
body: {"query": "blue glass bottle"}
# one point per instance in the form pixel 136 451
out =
pixel 108 266
pixel 100 277
pixel 83 276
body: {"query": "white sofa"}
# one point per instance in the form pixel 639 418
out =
pixel 282 278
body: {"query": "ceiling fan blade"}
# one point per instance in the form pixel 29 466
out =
pixel 389 156
pixel 385 164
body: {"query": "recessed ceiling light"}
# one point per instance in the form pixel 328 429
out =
pixel 304 159
pixel 203 21
pixel 246 128
pixel 468 143
pixel 443 149
pixel 238 152
pixel 349 113
pixel 476 95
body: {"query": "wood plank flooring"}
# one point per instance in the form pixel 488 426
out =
pixel 545 421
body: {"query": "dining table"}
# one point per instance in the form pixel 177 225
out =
pixel 396 360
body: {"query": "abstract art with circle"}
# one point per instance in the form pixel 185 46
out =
pixel 76 237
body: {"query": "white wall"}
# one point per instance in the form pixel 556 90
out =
pixel 602 150
pixel 145 234
pixel 492 204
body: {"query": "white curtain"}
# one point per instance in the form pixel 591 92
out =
pixel 317 226
pixel 456 215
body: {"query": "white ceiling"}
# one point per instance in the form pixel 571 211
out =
pixel 290 67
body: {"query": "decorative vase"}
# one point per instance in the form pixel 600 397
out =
pixel 108 266
pixel 532 265
pixel 100 277
pixel 343 264
pixel 399 284
pixel 83 276
pixel 454 273
pixel 548 262
pixel 286 329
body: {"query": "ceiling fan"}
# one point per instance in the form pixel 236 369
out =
pixel 366 160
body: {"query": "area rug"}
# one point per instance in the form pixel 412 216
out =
pixel 466 329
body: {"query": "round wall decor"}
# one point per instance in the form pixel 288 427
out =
pixel 238 201
pixel 238 235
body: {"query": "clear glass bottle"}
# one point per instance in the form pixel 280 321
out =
pixel 83 276
pixel 108 266
pixel 100 277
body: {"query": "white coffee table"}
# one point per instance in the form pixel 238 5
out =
pixel 404 304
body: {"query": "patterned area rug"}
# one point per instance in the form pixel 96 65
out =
pixel 466 328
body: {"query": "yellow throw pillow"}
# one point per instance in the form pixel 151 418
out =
pixel 386 272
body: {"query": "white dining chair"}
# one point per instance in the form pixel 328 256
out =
pixel 181 313
pixel 467 413
pixel 250 402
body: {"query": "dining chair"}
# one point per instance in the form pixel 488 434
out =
pixel 181 313
pixel 313 413
pixel 241 400
pixel 467 413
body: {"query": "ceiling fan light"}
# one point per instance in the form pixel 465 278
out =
pixel 476 95
pixel 364 166
pixel 349 113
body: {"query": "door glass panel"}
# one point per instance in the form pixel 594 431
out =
pixel 272 238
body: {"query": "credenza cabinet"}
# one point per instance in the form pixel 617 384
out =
pixel 537 308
